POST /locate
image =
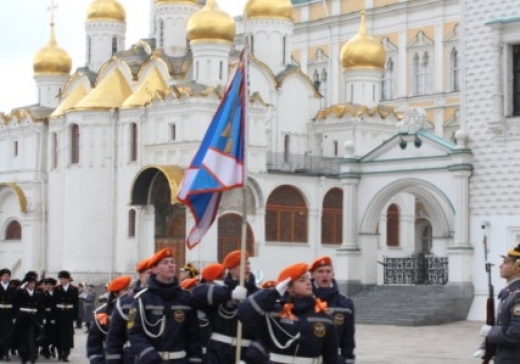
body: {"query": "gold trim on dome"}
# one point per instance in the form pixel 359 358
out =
pixel 106 9
pixel 52 59
pixel 211 23
pixel 356 111
pixel 144 180
pixel 363 50
pixel 298 71
pixel 20 195
pixel 70 101
pixel 279 9
pixel 147 90
pixel 111 92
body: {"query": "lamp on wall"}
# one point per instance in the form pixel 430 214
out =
pixel 417 141
pixel 403 143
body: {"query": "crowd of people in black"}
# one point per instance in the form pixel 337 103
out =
pixel 194 317
pixel 37 316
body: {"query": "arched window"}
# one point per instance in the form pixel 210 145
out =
pixel 13 231
pixel 133 142
pixel 454 56
pixel 74 144
pixel 286 217
pixel 114 45
pixel 416 75
pixel 287 148
pixel 131 223
pixel 388 80
pixel 425 73
pixel 332 217
pixel 161 33
pixel 230 235
pixel 89 49
pixel 392 225
pixel 323 89
pixel 54 150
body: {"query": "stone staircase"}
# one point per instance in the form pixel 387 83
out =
pixel 412 305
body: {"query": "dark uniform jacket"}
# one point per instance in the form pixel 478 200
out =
pixel 66 313
pixel 97 334
pixel 506 333
pixel 118 350
pixel 29 311
pixel 162 326
pixel 307 334
pixel 51 332
pixel 215 300
pixel 341 308
pixel 6 317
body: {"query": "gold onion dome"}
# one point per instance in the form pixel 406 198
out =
pixel 106 9
pixel 363 51
pixel 211 23
pixel 52 59
pixel 268 9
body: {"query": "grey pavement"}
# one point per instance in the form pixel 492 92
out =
pixel 452 343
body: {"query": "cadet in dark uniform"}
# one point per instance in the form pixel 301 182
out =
pixel 7 291
pixel 506 333
pixel 162 326
pixel 66 298
pixel 297 329
pixel 220 301
pixel 29 310
pixel 101 322
pixel 49 347
pixel 340 307
pixel 118 350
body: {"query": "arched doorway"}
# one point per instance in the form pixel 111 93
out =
pixel 230 235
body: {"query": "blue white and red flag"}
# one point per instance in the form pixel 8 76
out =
pixel 219 163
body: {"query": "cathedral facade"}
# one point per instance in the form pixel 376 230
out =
pixel 376 129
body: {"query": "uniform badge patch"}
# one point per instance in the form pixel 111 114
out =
pixel 131 318
pixel 178 315
pixel 319 329
pixel 516 309
pixel 339 319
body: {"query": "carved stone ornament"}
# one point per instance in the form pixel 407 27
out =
pixel 414 119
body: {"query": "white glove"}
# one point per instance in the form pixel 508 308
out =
pixel 239 293
pixel 478 353
pixel 282 286
pixel 484 330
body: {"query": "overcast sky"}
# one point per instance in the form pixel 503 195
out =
pixel 24 29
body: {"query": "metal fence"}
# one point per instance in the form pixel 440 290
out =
pixel 416 269
pixel 302 163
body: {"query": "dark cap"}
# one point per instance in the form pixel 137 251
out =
pixel 30 276
pixel 50 281
pixel 5 271
pixel 513 253
pixel 64 274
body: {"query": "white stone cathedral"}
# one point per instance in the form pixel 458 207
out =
pixel 376 129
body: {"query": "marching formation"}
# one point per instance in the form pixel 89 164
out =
pixel 37 316
pixel 194 318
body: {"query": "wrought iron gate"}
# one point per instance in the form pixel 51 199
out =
pixel 416 269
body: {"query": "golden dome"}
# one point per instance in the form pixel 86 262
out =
pixel 268 9
pixel 52 59
pixel 106 9
pixel 211 23
pixel 363 51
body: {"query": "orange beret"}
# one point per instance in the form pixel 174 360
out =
pixel 321 261
pixel 268 284
pixel 189 283
pixel 233 259
pixel 293 271
pixel 143 265
pixel 160 255
pixel 212 271
pixel 119 283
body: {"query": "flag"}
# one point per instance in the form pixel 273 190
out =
pixel 218 165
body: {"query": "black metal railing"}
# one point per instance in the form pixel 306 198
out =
pixel 302 163
pixel 416 269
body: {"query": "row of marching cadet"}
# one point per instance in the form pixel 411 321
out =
pixel 37 316
pixel 301 318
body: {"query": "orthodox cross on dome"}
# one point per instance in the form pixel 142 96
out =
pixel 52 10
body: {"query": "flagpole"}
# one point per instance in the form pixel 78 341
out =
pixel 243 247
